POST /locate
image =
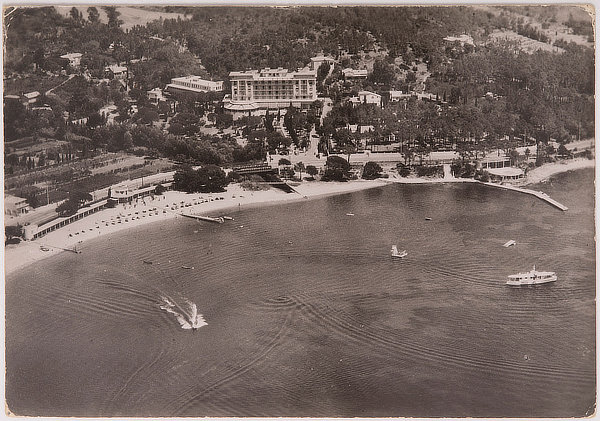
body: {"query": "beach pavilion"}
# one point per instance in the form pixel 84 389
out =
pixel 506 174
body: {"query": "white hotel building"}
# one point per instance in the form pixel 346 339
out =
pixel 271 88
pixel 194 84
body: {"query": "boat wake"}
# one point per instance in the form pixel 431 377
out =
pixel 187 314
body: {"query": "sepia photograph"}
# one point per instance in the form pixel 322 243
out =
pixel 319 210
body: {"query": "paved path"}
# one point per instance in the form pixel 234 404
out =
pixel 49 91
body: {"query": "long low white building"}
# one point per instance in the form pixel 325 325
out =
pixel 195 84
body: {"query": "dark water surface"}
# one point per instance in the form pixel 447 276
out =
pixel 307 314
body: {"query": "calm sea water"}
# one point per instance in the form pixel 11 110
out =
pixel 307 314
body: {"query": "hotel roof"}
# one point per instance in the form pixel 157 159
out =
pixel 322 58
pixel 13 200
pixel 186 88
pixel 71 55
pixel 195 79
pixel 116 68
pixel 31 95
pixel 505 172
pixel 279 73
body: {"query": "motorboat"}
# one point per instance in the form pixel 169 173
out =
pixel 532 277
pixel 396 253
pixel 509 243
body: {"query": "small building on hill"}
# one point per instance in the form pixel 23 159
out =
pixel 461 39
pixel 74 59
pixel 396 96
pixel 355 74
pixel 31 98
pixel 156 95
pixel 366 97
pixel 360 129
pixel 316 62
pixel 15 206
pixel 116 72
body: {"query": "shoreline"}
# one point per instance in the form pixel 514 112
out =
pixel 540 174
pixel 148 210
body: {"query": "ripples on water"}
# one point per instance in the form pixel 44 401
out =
pixel 307 315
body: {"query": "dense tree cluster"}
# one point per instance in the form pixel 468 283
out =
pixel 73 203
pixel 336 169
pixel 487 96
pixel 541 94
pixel 13 231
pixel 372 170
pixel 206 179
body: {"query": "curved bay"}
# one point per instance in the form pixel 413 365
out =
pixel 307 315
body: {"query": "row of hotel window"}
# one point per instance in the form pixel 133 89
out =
pixel 272 82
pixel 235 91
pixel 195 85
pixel 286 97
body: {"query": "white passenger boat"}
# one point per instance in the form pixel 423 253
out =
pixel 396 253
pixel 532 277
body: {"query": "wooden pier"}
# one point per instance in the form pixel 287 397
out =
pixel 538 194
pixel 218 220
pixel 72 250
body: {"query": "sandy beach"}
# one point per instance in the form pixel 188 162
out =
pixel 173 203
pixel 548 170
pixel 170 205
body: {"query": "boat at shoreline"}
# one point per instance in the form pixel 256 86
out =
pixel 396 253
pixel 532 277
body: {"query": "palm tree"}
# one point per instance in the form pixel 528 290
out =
pixel 349 149
pixel 300 167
